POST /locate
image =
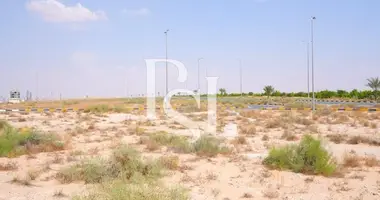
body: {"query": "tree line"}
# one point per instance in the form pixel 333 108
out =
pixel 372 83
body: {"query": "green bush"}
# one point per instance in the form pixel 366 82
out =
pixel 179 144
pixel 102 108
pixel 209 146
pixel 15 142
pixel 125 164
pixel 120 190
pixel 307 157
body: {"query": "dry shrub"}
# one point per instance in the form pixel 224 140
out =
pixel 373 125
pixel 364 140
pixel 313 128
pixel 371 161
pixel 340 118
pixel 170 162
pixel 209 146
pixel 21 181
pixel 337 138
pixel 240 140
pixel 34 174
pixel 274 123
pixel 304 121
pixel 251 114
pixel 351 160
pixel 289 136
pixel 265 138
pixel 365 123
pixel 59 194
pixel 248 129
pixel 10 166
pixel 137 130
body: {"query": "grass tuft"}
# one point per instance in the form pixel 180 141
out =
pixel 307 157
pixel 15 142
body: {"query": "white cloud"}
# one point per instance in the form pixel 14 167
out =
pixel 138 12
pixel 55 11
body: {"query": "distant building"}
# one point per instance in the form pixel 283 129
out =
pixel 28 96
pixel 14 96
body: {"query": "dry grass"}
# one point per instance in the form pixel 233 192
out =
pixel 248 129
pixel 9 166
pixel 364 140
pixel 21 181
pixel 289 136
pixel 351 160
pixel 59 194
pixel 373 125
pixel 337 138
pixel 170 162
pixel 271 193
pixel 371 161
pixel 275 123
pixel 240 140
pixel 265 138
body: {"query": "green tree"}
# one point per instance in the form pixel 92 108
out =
pixel 268 90
pixel 374 84
pixel 354 94
pixel 222 92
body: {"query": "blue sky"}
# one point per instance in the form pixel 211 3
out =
pixel 95 48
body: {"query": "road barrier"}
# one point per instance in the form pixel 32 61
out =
pixel 143 107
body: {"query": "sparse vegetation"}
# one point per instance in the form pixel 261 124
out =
pixel 307 157
pixel 15 142
pixel 125 162
pixel 248 129
pixel 209 146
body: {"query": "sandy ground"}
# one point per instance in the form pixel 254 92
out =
pixel 237 176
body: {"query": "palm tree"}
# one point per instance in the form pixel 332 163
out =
pixel 268 90
pixel 222 91
pixel 374 84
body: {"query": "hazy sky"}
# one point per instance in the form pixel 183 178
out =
pixel 95 47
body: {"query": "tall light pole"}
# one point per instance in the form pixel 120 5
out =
pixel 166 49
pixel 312 59
pixel 199 83
pixel 126 83
pixel 36 86
pixel 308 67
pixel 241 78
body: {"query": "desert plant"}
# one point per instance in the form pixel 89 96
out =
pixel 15 142
pixel 268 90
pixel 308 157
pixel 374 84
pixel 209 146
pixel 125 163
pixel 121 190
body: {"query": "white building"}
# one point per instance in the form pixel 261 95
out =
pixel 14 96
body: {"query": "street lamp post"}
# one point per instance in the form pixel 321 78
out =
pixel 241 78
pixel 166 50
pixel 312 59
pixel 308 67
pixel 199 83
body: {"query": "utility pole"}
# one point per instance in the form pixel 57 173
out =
pixel 199 83
pixel 312 60
pixel 36 86
pixel 166 49
pixel 241 78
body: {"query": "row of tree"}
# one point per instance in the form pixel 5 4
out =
pixel 373 83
